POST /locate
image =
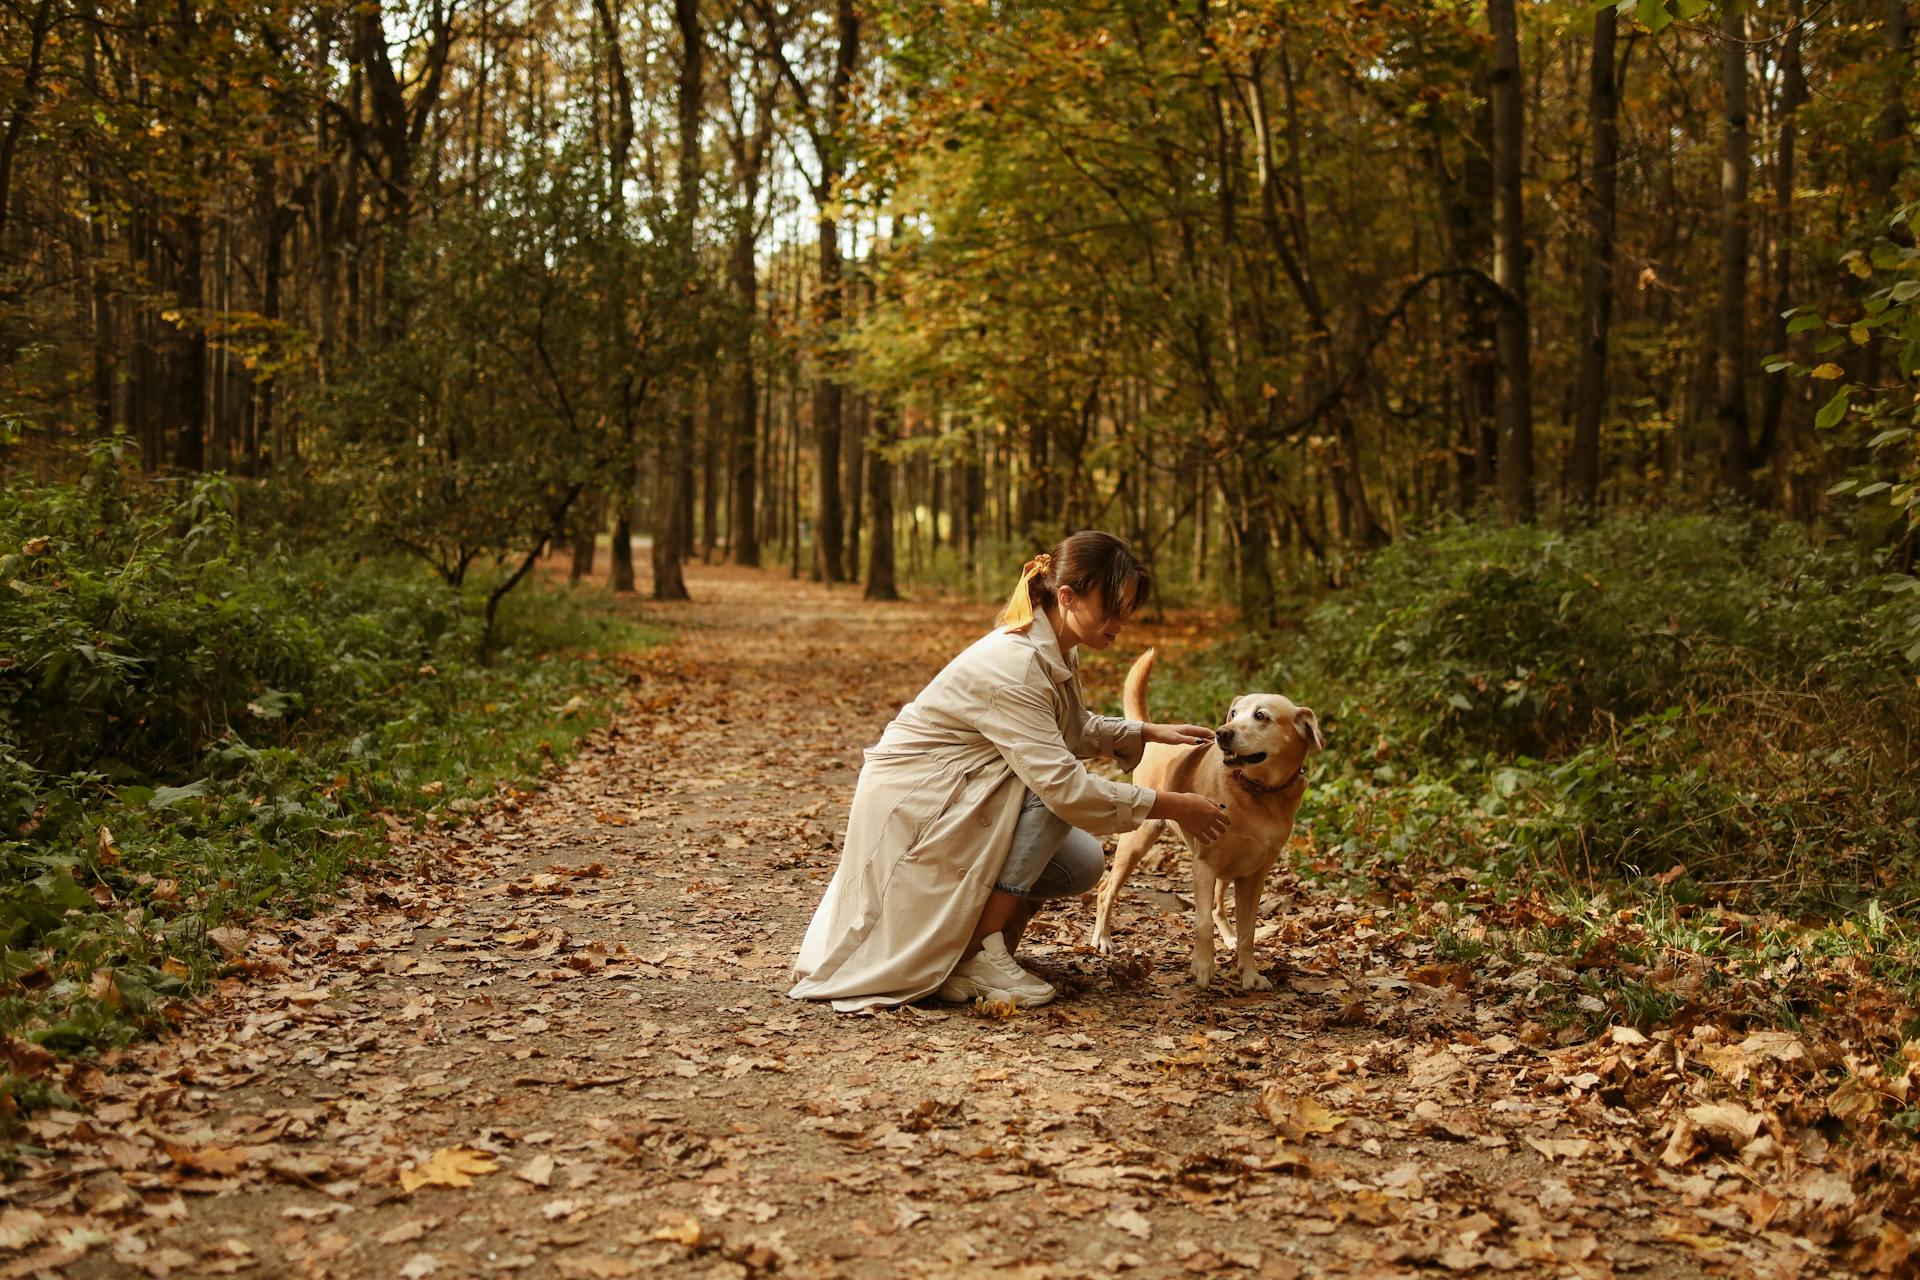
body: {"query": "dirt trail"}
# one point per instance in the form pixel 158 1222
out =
pixel 579 1003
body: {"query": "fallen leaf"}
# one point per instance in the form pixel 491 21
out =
pixel 538 1171
pixel 1730 1122
pixel 1296 1115
pixel 449 1167
pixel 680 1229
pixel 407 1232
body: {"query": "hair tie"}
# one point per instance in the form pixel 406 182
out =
pixel 1018 615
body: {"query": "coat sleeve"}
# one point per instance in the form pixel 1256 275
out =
pixel 1019 721
pixel 1123 740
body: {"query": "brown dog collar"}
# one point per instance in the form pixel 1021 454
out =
pixel 1261 788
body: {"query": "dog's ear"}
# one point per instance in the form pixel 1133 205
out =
pixel 1307 724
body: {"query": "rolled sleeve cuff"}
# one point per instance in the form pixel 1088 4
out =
pixel 1129 744
pixel 1132 805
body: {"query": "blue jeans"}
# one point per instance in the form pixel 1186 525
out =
pixel 1049 857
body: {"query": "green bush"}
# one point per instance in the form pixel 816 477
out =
pixel 198 725
pixel 1650 693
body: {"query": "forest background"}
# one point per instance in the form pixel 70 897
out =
pixel 1533 383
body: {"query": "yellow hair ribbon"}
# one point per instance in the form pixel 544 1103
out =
pixel 1018 615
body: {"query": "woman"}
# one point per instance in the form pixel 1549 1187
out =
pixel 974 806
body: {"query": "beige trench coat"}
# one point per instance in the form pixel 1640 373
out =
pixel 934 812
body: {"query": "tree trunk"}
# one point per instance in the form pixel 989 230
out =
pixel 1514 388
pixel 626 485
pixel 189 358
pixel 21 107
pixel 1603 125
pixel 827 399
pixel 741 529
pixel 1036 500
pixel 710 480
pixel 673 487
pixel 827 408
pixel 1730 345
pixel 880 567
pixel 1793 92
pixel 854 457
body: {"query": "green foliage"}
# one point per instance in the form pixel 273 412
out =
pixel 541 342
pixel 1880 413
pixel 198 726
pixel 1650 694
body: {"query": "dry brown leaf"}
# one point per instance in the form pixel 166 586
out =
pixel 1296 1115
pixel 1729 1122
pixel 1131 1221
pixel 20 1228
pixel 598 1266
pixel 1561 1148
pixel 216 1160
pixel 449 1167
pixel 407 1232
pixel 538 1171
pixel 230 939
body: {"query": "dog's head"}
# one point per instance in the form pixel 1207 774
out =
pixel 1267 736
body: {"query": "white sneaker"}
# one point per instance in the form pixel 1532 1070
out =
pixel 991 974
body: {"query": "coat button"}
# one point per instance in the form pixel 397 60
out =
pixel 986 820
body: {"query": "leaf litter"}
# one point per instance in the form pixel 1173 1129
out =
pixel 553 1041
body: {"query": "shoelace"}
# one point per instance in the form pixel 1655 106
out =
pixel 1010 968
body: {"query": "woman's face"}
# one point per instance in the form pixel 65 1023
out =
pixel 1087 621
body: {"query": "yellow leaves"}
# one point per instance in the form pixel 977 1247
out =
pixel 1697 1241
pixel 449 1167
pixel 679 1229
pixel 1296 1115
pixel 1829 371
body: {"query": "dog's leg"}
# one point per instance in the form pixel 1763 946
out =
pixel 1220 921
pixel 1246 912
pixel 1126 855
pixel 1203 890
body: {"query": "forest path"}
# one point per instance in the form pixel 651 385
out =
pixel 579 1001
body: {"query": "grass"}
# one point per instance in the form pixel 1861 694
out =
pixel 1670 760
pixel 198 727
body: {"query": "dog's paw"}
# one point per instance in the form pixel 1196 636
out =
pixel 1202 972
pixel 1254 980
pixel 1101 942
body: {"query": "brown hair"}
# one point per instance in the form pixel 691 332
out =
pixel 1093 564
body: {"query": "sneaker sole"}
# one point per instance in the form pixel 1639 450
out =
pixel 969 993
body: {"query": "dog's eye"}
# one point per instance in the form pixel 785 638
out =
pixel 1260 715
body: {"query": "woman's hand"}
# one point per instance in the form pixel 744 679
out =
pixel 1177 735
pixel 1197 815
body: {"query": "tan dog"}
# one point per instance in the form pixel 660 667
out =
pixel 1256 770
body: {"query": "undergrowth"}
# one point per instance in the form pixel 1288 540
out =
pixel 198 725
pixel 1658 747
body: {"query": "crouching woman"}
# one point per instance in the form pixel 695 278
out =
pixel 975 807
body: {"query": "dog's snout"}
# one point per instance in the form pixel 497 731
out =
pixel 1223 736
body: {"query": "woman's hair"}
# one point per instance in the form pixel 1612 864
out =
pixel 1093 564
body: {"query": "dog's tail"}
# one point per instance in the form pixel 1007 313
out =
pixel 1134 698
